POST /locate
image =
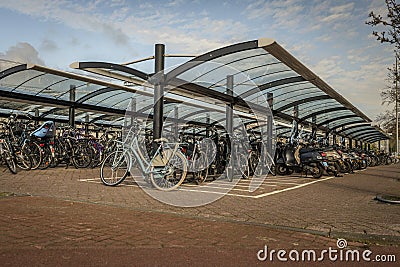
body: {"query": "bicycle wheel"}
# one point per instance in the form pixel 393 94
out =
pixel 82 155
pixel 172 175
pixel 242 165
pixel 114 168
pixel 200 167
pixel 47 158
pixel 255 169
pixel 23 160
pixel 34 152
pixel 270 164
pixel 9 159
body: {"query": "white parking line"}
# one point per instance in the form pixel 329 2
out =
pixel 219 187
pixel 187 187
pixel 292 188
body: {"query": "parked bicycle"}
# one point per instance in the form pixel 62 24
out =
pixel 165 170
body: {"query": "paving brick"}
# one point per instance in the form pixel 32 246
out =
pixel 61 213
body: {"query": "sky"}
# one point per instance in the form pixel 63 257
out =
pixel 329 37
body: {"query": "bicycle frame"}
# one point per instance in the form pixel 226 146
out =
pixel 133 151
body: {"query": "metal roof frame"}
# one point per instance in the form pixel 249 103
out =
pixel 297 74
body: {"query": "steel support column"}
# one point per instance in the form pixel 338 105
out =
pixel 37 115
pixel 314 128
pixel 270 100
pixel 229 126
pixel 296 112
pixel 87 120
pixel 72 91
pixel 208 123
pixel 159 91
pixel 397 105
pixel 176 125
pixel 296 125
pixel 133 111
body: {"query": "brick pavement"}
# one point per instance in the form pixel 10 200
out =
pixel 64 214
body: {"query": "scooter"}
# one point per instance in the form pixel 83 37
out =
pixel 292 157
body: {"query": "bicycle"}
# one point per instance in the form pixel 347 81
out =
pixel 166 170
pixel 260 160
pixel 236 158
pixel 198 162
pixel 6 154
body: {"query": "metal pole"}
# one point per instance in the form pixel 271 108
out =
pixel 397 108
pixel 72 89
pixel 36 115
pixel 270 100
pixel 158 91
pixel 133 111
pixel 229 125
pixel 176 126
pixel 87 119
pixel 208 125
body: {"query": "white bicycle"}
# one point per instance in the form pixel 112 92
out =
pixel 166 170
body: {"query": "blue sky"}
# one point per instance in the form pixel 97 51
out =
pixel 329 37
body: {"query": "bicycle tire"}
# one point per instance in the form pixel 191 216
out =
pixel 120 161
pixel 9 159
pixel 82 155
pixel 23 161
pixel 34 151
pixel 57 155
pixel 270 164
pixel 172 181
pixel 243 165
pixel 200 171
pixel 47 158
pixel 254 159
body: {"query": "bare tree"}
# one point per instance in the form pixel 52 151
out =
pixel 388 94
pixel 391 34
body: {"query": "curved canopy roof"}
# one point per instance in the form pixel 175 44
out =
pixel 261 70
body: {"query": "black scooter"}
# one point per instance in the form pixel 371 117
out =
pixel 309 160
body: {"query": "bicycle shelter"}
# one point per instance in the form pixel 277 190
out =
pixel 250 78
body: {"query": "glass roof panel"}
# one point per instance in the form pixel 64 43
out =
pixel 281 102
pixel 15 80
pixel 41 84
pixel 339 122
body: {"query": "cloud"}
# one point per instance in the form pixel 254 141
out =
pixel 124 24
pixel 74 15
pixel 48 45
pixel 360 84
pixel 285 14
pixel 23 53
pixel 342 8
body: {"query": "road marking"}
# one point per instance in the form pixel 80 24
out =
pixel 292 188
pixel 218 187
pixel 186 187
